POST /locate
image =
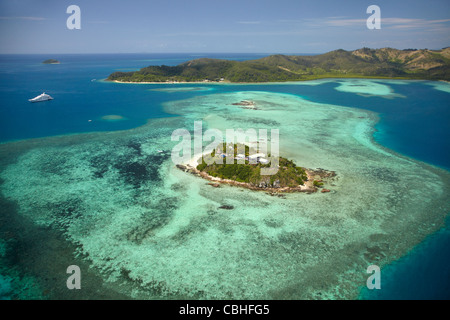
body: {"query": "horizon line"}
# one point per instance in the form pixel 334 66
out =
pixel 214 52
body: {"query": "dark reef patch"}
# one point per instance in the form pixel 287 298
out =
pixel 135 168
pixel 137 172
pixel 226 207
pixel 64 212
pixel 68 208
pixel 37 258
pixel 255 120
pixel 273 223
pixel 160 216
pixel 300 242
pixel 57 163
pixel 100 165
pixel 382 174
pixel 196 225
pixel 376 253
pixel 136 146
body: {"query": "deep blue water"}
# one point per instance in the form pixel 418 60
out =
pixel 77 99
pixel 423 274
pixel 416 125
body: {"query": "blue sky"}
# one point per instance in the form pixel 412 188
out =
pixel 259 26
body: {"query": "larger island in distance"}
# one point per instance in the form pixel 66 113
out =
pixel 368 63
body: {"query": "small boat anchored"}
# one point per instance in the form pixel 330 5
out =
pixel 41 97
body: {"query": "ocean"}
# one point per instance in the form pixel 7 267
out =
pixel 412 119
pixel 416 127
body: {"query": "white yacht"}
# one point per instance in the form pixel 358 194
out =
pixel 41 97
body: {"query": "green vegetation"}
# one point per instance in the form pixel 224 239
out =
pixel 317 183
pixel 288 175
pixel 368 63
pixel 50 61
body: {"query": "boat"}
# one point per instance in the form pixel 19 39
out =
pixel 41 97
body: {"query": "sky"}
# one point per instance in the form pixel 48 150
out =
pixel 222 26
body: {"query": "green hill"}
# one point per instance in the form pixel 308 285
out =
pixel 365 62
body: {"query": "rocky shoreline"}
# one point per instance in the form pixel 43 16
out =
pixel 316 181
pixel 246 104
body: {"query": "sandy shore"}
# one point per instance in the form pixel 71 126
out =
pixel 195 160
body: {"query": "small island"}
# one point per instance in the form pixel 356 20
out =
pixel 288 178
pixel 51 61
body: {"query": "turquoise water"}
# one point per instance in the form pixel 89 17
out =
pixel 414 120
pixel 334 119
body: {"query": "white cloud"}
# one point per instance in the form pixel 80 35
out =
pixel 399 23
pixel 391 23
pixel 98 22
pixel 343 22
pixel 22 18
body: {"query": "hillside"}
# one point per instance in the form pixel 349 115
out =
pixel 365 62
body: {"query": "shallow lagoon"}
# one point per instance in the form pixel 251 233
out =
pixel 150 230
